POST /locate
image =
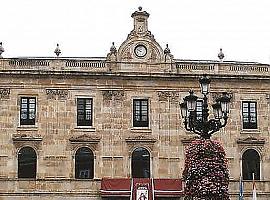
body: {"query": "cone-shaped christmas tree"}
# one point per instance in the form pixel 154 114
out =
pixel 206 174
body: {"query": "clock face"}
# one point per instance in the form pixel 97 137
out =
pixel 140 50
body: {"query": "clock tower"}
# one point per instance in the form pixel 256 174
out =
pixel 140 21
pixel 140 50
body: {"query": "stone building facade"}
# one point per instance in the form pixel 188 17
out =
pixel 112 109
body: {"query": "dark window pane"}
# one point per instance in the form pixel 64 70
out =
pixel 140 113
pixel 28 110
pixel 144 118
pixel 84 111
pixel 31 116
pixel 27 163
pixel 24 106
pixel 23 116
pixel 24 100
pixel 140 163
pixel 80 106
pixel 84 164
pixel 32 100
pixel 245 120
pixel 249 115
pixel 251 164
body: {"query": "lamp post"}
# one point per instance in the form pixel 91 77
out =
pixel 201 125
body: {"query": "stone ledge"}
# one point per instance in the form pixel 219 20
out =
pixel 24 137
pixel 85 139
pixel 251 140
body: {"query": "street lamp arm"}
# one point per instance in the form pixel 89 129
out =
pixel 214 126
pixel 197 120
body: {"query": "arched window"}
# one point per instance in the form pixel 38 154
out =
pixel 140 163
pixel 27 163
pixel 251 164
pixel 84 163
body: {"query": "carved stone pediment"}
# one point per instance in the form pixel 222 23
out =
pixel 21 140
pixel 145 141
pixel 24 137
pixel 85 139
pixel 251 140
pixel 141 138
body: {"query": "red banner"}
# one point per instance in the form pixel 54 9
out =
pixel 142 188
pixel 168 187
pixel 115 187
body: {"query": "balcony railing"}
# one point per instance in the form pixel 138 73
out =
pixel 53 64
pixel 101 65
pixel 228 68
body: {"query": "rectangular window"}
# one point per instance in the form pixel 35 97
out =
pixel 249 114
pixel 28 111
pixel 140 113
pixel 199 110
pixel 84 111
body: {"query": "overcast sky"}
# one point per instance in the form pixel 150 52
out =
pixel 194 29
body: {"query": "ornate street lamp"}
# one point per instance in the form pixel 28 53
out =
pixel 202 125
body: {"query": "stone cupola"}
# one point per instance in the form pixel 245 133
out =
pixel 140 21
pixel 140 52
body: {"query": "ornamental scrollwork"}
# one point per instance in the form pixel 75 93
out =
pixel 172 96
pixel 4 93
pixel 216 95
pixel 113 94
pixel 60 94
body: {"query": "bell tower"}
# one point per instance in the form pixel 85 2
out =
pixel 140 22
pixel 140 51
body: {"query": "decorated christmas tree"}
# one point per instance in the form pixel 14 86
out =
pixel 206 174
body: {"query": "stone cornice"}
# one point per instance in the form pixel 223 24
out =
pixel 24 137
pixel 251 140
pixel 132 75
pixel 85 139
pixel 141 138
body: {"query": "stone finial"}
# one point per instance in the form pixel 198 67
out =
pixel 167 50
pixel 139 12
pixel 57 50
pixel 1 49
pixel 113 48
pixel 221 55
